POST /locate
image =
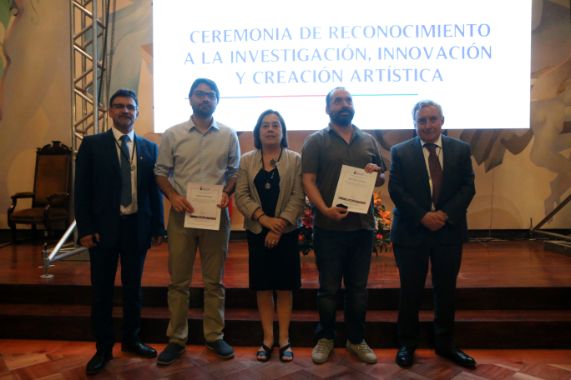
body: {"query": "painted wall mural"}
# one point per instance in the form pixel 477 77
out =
pixel 549 137
pixel 9 10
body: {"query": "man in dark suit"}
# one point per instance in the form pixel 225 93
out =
pixel 431 184
pixel 118 208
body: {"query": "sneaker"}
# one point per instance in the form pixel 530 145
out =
pixel 221 348
pixel 322 350
pixel 170 354
pixel 362 351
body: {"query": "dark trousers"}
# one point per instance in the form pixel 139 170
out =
pixel 103 268
pixel 413 267
pixel 342 255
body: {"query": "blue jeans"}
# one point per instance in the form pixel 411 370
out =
pixel 342 255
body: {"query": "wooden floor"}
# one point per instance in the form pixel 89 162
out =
pixel 485 264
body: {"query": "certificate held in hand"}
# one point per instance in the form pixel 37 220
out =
pixel 204 199
pixel 354 189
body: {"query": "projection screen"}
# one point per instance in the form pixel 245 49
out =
pixel 473 57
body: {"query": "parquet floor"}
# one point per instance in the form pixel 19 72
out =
pixel 51 360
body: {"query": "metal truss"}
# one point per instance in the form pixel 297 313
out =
pixel 90 78
pixel 89 91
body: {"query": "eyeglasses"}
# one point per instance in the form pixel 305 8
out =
pixel 119 106
pixel 425 120
pixel 204 94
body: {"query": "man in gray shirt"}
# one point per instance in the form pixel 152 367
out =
pixel 202 151
pixel 343 241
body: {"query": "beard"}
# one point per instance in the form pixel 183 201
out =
pixel 203 110
pixel 343 117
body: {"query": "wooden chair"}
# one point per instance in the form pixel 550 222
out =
pixel 52 192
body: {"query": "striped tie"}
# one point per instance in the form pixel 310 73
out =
pixel 125 172
pixel 435 171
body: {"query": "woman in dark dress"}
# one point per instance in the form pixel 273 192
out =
pixel 270 195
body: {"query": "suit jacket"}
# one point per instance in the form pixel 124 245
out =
pixel 409 189
pixel 291 199
pixel 98 191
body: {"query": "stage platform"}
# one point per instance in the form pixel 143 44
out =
pixel 511 294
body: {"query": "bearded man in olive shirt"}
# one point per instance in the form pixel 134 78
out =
pixel 343 241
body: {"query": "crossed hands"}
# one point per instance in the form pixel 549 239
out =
pixel 276 227
pixel 434 220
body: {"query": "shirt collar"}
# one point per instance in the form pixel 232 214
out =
pixel 193 126
pixel 356 131
pixel 117 134
pixel 438 142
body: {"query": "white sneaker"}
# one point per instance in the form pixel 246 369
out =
pixel 362 351
pixel 322 350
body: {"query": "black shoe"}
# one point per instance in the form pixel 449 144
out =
pixel 139 349
pixel 221 348
pixel 98 362
pixel 405 357
pixel 170 354
pixel 458 357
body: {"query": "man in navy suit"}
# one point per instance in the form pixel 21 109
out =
pixel 119 211
pixel 431 196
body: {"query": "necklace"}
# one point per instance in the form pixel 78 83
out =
pixel 273 163
pixel 268 184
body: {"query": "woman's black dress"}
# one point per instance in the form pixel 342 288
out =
pixel 275 268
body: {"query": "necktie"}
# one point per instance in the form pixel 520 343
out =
pixel 435 171
pixel 125 172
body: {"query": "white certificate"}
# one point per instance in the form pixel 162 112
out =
pixel 354 189
pixel 204 199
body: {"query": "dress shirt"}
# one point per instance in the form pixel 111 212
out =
pixel 131 208
pixel 187 155
pixel 440 155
